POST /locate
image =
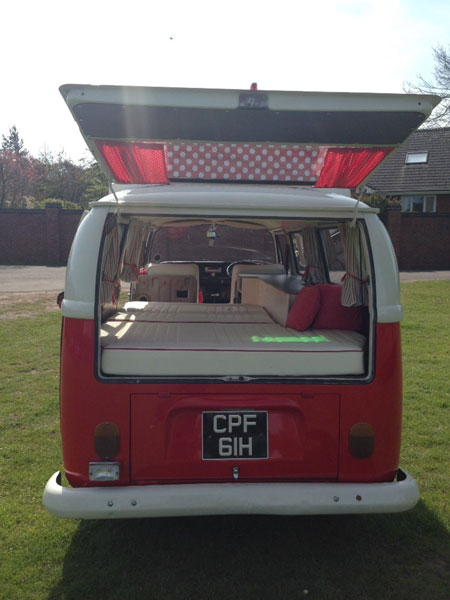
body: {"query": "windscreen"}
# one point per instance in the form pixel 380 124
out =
pixel 211 243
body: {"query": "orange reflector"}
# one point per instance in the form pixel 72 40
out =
pixel 107 440
pixel 135 162
pixel 361 440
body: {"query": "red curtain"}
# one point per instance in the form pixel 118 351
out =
pixel 135 162
pixel 348 167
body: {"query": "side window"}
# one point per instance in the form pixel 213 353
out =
pixel 334 253
pixel 299 251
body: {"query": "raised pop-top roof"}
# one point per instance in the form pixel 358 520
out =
pixel 138 133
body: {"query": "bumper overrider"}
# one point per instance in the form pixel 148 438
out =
pixel 230 498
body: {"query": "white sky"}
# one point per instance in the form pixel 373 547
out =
pixel 340 45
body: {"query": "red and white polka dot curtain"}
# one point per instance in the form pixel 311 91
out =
pixel 156 162
pixel 244 162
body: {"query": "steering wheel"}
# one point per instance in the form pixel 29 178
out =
pixel 229 268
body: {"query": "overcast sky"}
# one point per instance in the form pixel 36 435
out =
pixel 341 45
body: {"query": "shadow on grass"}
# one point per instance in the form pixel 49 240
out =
pixel 373 556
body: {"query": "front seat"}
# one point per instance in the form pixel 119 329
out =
pixel 169 282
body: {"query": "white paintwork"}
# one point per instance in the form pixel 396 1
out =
pixel 79 293
pixel 229 99
pixel 229 499
pixel 234 200
pixel 387 280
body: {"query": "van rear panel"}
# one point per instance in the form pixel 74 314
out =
pixel 161 437
pixel 204 436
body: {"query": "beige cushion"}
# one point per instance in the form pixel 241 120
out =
pixel 238 270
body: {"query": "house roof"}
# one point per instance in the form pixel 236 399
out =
pixel 396 177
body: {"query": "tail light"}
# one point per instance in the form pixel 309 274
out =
pixel 107 440
pixel 361 440
pixel 107 445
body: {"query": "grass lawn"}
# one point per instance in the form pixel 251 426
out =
pixel 375 557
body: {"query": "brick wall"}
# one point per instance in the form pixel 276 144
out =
pixel 37 237
pixel 44 237
pixel 421 240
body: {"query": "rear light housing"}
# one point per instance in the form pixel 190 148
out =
pixel 107 440
pixel 361 440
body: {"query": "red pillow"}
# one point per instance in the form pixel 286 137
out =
pixel 304 309
pixel 332 315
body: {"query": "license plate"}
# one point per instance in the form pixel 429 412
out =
pixel 240 434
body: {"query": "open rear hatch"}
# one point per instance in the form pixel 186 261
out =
pixel 153 135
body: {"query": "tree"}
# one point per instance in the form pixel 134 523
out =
pixel 97 184
pixel 439 86
pixel 28 182
pixel 13 142
pixel 16 171
pixel 58 177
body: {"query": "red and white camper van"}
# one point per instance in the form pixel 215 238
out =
pixel 255 366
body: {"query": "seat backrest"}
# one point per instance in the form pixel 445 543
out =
pixel 169 282
pixel 173 269
pixel 238 270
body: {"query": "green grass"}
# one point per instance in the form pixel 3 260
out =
pixel 375 557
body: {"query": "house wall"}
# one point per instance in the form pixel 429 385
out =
pixel 420 240
pixel 37 237
pixel 443 203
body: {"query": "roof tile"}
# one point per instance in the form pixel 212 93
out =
pixel 394 176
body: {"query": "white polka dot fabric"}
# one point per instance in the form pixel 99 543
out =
pixel 245 162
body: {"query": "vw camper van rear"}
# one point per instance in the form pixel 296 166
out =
pixel 231 318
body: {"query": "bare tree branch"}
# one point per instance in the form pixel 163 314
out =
pixel 439 85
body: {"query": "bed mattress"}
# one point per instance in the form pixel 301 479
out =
pixel 184 312
pixel 148 348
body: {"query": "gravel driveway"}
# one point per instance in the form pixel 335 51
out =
pixel 14 279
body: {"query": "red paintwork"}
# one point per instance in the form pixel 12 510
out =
pixel 303 436
pixel 308 438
